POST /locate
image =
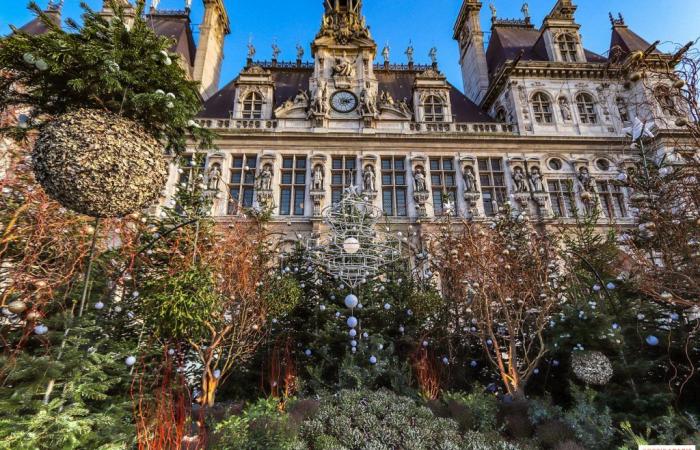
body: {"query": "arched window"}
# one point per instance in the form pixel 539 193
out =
pixel 567 48
pixel 542 107
pixel 622 109
pixel 252 106
pixel 501 116
pixel 434 109
pixel 586 108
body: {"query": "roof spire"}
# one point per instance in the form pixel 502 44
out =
pixel 617 22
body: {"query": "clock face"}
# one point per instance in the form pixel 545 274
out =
pixel 344 101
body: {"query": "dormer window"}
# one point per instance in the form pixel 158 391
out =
pixel 586 108
pixel 567 48
pixel 252 106
pixel 433 109
pixel 501 116
pixel 542 108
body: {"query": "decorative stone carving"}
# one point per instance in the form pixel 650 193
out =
pixel 343 67
pixel 420 191
pixel 318 178
pixel 213 177
pixel 368 179
pixel 368 103
pixel 264 179
pixel 409 53
pixel 565 109
pixel 536 179
pixel 519 180
pixel 585 179
pixel 319 104
pixel 470 182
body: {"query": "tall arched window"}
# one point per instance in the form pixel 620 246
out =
pixel 252 106
pixel 622 109
pixel 567 48
pixel 434 109
pixel 586 108
pixel 542 108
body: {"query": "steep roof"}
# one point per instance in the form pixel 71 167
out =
pixel 625 41
pixel 175 25
pixel 289 80
pixel 36 26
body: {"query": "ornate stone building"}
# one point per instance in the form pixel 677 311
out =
pixel 540 123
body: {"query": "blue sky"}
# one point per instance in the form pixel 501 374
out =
pixel 426 22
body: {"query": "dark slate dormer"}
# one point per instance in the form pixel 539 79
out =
pixel 37 26
pixel 175 25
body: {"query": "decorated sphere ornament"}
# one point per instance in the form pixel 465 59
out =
pixel 130 361
pixel 41 329
pixel 373 360
pixel 593 368
pixel 99 164
pixel 351 245
pixel 652 340
pixel 352 332
pixel 352 321
pixel 351 301
pixel 17 307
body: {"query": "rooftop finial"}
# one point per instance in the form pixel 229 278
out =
pixel 409 52
pixel 494 12
pixel 616 22
pixel 433 55
pixel 154 4
pixel 386 52
pixel 275 50
pixel 526 11
pixel 188 4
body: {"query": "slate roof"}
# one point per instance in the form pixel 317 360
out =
pixel 175 25
pixel 626 41
pixel 36 26
pixel 288 81
pixel 507 42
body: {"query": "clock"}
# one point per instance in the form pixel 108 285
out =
pixel 344 101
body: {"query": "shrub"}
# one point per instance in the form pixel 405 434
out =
pixel 473 411
pixel 569 445
pixel 486 441
pixel 261 426
pixel 360 419
pixel 592 424
pixel 552 433
pixel 515 420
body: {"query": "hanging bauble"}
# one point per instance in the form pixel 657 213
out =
pixel 17 307
pixel 445 360
pixel 593 368
pixel 307 352
pixel 322 308
pixel 652 340
pixel 353 343
pixel 352 332
pixel 353 349
pixel 99 164
pixel 352 321
pixel 41 329
pixel 217 374
pixel 373 360
pixel 387 306
pixel 33 315
pixel 99 305
pixel 351 245
pixel 351 301
pixel 473 364
pixel 130 361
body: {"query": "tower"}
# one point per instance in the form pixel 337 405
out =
pixel 210 48
pixel 468 33
pixel 128 11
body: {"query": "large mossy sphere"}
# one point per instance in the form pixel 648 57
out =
pixel 99 164
pixel 593 368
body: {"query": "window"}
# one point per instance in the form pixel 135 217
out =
pixel 293 186
pixel 561 196
pixel 242 186
pixel 586 108
pixel 567 48
pixel 501 116
pixel 252 106
pixel 665 99
pixel 612 201
pixel 191 166
pixel 342 175
pixel 622 109
pixel 555 164
pixel 443 182
pixel 394 188
pixel 602 164
pixel 433 109
pixel 493 184
pixel 542 107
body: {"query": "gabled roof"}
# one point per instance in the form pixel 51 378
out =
pixel 175 25
pixel 289 80
pixel 625 41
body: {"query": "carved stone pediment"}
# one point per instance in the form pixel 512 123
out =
pixel 431 74
pixel 255 70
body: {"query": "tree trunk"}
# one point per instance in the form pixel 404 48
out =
pixel 209 386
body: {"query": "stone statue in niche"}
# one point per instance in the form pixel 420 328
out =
pixel 368 178
pixel 536 179
pixel 213 177
pixel 265 178
pixel 419 180
pixel 387 99
pixel 302 98
pixel 470 184
pixel 565 109
pixel 519 180
pixel 319 104
pixel 586 180
pixel 318 178
pixel 343 67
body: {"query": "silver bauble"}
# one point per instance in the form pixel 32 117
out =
pixel 99 164
pixel 593 368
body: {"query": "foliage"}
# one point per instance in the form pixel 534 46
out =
pixel 178 306
pixel 591 424
pixel 260 426
pixel 382 420
pixel 103 64
pixel 475 410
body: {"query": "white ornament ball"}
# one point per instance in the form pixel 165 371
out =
pixel 351 245
pixel 99 306
pixel 307 352
pixel 41 329
pixel 353 343
pixel 130 361
pixel 352 332
pixel 352 321
pixel 322 308
pixel 387 306
pixel 351 301
pixel 373 360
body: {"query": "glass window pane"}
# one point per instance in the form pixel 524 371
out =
pixel 236 177
pixel 434 164
pixel 400 179
pixel 386 164
pixel 399 164
pixel 386 179
pixel 288 163
pixel 388 202
pixel 238 162
pixel 447 164
pixel 285 199
pixel 299 202
pixel 300 178
pixel 301 163
pixel 402 209
pixel 287 178
pixel 337 163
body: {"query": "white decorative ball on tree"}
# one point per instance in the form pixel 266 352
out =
pixel 130 361
pixel 99 164
pixel 351 301
pixel 593 368
pixel 351 245
pixel 352 321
